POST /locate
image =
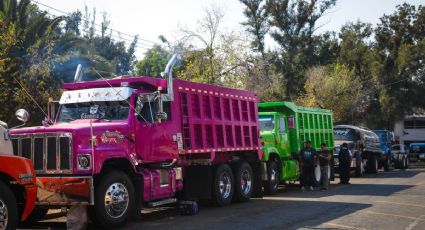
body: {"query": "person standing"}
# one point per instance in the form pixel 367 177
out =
pixel 344 158
pixel 308 162
pixel 324 159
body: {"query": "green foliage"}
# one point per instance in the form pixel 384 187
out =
pixel 154 62
pixel 27 44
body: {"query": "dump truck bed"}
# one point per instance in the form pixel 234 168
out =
pixel 217 119
pixel 313 124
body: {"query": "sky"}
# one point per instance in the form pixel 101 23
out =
pixel 151 18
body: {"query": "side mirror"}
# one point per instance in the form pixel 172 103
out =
pixel 22 115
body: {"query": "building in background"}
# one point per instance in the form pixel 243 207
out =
pixel 411 129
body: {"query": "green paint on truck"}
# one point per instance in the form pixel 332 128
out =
pixel 284 127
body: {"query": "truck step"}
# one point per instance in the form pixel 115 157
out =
pixel 162 202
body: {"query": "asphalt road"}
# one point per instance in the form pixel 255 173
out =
pixel 387 200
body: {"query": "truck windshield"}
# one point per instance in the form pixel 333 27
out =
pixel 344 134
pixel 109 110
pixel 266 123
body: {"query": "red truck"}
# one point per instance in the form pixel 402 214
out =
pixel 117 145
pixel 18 190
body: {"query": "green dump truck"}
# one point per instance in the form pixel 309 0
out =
pixel 284 127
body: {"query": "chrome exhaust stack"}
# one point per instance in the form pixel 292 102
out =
pixel 168 73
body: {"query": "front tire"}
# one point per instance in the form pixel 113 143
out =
pixel 273 178
pixel 114 200
pixel 223 188
pixel 243 182
pixel 8 208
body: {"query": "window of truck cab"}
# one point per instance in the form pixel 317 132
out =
pixel 145 111
pixel 267 122
pixel 107 110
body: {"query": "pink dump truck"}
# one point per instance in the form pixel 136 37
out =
pixel 130 142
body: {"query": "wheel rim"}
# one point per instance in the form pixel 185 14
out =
pixel 246 182
pixel 3 215
pixel 225 185
pixel 116 200
pixel 273 178
pixel 317 174
pixel 329 173
pixel 376 165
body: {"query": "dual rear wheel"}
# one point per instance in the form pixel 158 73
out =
pixel 236 184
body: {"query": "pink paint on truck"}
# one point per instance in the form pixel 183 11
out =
pixel 121 144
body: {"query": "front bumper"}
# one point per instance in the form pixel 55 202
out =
pixel 65 191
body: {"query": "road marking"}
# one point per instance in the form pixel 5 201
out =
pixel 406 204
pixel 395 215
pixel 344 226
pixel 413 224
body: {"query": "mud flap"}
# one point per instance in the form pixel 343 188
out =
pixel 258 183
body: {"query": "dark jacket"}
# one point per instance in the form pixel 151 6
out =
pixel 344 156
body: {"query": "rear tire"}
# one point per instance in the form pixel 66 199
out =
pixel 114 200
pixel 273 178
pixel 387 164
pixel 244 183
pixel 406 163
pixel 372 164
pixel 223 188
pixel 359 167
pixel 8 208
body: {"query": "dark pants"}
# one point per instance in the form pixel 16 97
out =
pixel 307 175
pixel 344 172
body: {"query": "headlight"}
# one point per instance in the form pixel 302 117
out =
pixel 84 162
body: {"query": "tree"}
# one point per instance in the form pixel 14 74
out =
pixel 256 23
pixel 293 24
pixel 27 41
pixel 400 64
pixel 337 88
pixel 154 62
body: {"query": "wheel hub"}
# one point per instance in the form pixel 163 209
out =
pixel 273 178
pixel 246 182
pixel 3 215
pixel 116 200
pixel 225 185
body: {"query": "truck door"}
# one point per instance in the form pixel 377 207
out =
pixel 154 138
pixel 282 135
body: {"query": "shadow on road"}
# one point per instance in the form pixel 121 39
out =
pixel 396 174
pixel 263 213
pixel 352 190
pixel 266 213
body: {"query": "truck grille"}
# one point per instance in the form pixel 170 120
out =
pixel 50 152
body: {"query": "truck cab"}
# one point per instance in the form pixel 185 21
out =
pixel 274 137
pixel 386 139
